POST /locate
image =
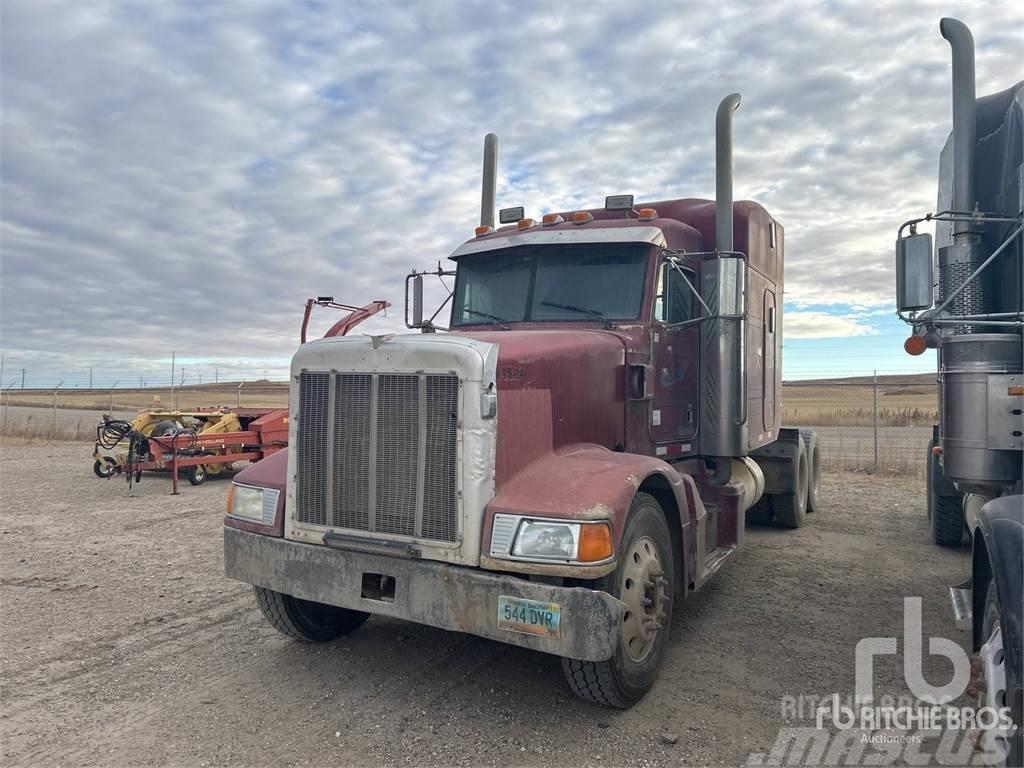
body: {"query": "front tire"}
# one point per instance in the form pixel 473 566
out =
pixel 305 620
pixel 995 693
pixel 644 580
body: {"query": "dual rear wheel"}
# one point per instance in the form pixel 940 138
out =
pixel 789 510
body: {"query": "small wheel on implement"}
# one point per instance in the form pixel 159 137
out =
pixel 197 474
pixel 104 467
pixel 644 581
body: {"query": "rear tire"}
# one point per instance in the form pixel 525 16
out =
pixel 813 467
pixel 791 508
pixel 305 620
pixel 947 521
pixel 646 572
pixel 945 513
pixel 762 512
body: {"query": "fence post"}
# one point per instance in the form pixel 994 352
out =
pixel 53 425
pixel 874 413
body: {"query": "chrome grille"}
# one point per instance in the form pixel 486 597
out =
pixel 377 452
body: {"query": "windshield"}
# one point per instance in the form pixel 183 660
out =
pixel 537 283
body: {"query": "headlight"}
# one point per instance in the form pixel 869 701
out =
pixel 555 540
pixel 250 503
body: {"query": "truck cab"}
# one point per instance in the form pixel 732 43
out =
pixel 562 466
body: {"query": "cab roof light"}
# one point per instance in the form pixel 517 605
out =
pixel 482 230
pixel 511 215
pixel 648 214
pixel 618 203
pixel 582 217
pixel 550 219
pixel 526 223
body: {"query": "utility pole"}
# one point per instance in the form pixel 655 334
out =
pixel 172 380
pixel 216 375
pixel 111 410
pixel 22 378
pixel 90 377
pixel 1 369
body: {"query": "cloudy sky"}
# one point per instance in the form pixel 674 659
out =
pixel 181 176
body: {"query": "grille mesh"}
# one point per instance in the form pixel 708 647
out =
pixel 377 452
pixel 398 439
pixel 312 449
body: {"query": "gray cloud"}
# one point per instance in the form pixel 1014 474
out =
pixel 181 176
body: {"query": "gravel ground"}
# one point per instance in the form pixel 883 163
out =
pixel 124 644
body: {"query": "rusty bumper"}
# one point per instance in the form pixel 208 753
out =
pixel 440 595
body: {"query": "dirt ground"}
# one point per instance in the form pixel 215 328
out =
pixel 122 643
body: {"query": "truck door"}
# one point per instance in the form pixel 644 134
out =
pixel 674 411
pixel 770 336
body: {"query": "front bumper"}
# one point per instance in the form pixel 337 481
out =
pixel 450 597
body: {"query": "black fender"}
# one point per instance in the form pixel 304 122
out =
pixel 999 555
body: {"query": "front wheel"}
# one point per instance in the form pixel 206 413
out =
pixel 305 620
pixel 996 674
pixel 644 581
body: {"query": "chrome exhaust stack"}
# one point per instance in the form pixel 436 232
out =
pixel 965 125
pixel 723 172
pixel 958 261
pixel 724 430
pixel 490 181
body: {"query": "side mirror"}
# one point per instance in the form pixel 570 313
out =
pixel 914 278
pixel 417 301
pixel 732 286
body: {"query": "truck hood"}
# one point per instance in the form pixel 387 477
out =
pixel 555 388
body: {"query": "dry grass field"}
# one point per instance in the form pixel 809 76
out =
pixel 903 401
pixel 840 409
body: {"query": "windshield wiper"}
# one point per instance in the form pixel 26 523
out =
pixel 499 321
pixel 581 310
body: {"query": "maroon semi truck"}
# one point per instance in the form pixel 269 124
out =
pixel 562 466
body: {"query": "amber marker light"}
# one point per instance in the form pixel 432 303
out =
pixel 231 498
pixel 550 219
pixel 582 217
pixel 648 214
pixel 526 223
pixel 595 543
pixel 483 230
pixel 915 345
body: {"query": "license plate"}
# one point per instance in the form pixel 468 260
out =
pixel 532 617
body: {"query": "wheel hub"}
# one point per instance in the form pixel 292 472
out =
pixel 643 591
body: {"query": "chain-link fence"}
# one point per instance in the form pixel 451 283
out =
pixel 865 423
pixel 874 423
